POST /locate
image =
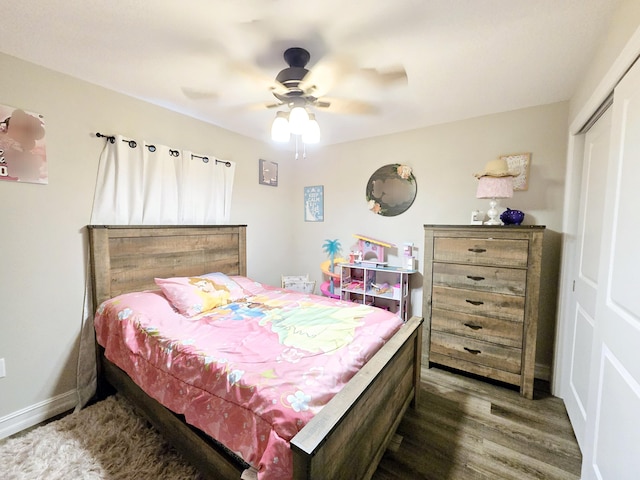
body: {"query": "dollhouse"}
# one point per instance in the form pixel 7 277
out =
pixel 372 250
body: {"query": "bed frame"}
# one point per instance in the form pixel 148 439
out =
pixel 350 434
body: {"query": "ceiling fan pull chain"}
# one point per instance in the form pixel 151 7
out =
pixel 296 147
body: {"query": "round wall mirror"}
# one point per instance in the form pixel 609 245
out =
pixel 391 190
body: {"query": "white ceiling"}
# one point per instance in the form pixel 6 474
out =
pixel 215 59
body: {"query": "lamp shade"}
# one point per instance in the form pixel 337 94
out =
pixel 311 133
pixel 298 118
pixel 495 187
pixel 280 128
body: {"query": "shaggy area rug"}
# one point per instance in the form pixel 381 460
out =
pixel 104 441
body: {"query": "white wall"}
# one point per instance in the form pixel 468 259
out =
pixel 42 275
pixel 444 159
pixel 43 271
pixel 595 85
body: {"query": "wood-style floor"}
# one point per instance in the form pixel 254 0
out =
pixel 464 428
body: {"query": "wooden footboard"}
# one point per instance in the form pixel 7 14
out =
pixel 350 434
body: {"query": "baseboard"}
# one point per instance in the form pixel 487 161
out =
pixel 543 372
pixel 28 417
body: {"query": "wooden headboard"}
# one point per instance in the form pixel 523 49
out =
pixel 128 258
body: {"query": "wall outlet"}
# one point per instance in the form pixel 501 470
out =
pixel 3 371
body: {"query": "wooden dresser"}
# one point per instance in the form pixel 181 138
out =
pixel 480 304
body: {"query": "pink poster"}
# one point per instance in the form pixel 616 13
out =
pixel 23 156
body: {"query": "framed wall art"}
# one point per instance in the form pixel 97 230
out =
pixel 268 173
pixel 314 203
pixel 520 163
pixel 23 156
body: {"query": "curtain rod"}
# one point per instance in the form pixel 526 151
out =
pixel 206 160
pixel 152 148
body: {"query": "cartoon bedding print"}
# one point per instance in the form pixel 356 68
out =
pixel 264 364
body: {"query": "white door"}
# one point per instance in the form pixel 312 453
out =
pixel 612 436
pixel 582 311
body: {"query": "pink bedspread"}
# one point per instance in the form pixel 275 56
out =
pixel 252 373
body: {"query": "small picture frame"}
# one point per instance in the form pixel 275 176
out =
pixel 268 173
pixel 314 203
pixel 477 217
pixel 520 163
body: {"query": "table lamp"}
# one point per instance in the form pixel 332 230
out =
pixel 494 188
pixel 495 181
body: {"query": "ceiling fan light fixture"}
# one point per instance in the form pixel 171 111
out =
pixel 311 133
pixel 298 119
pixel 280 131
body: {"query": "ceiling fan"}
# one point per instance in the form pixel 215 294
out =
pixel 290 87
pixel 298 86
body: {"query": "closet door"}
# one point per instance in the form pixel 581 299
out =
pixel 612 436
pixel 586 271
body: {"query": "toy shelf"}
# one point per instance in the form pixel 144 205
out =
pixel 378 285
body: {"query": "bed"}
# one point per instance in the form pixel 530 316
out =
pixel 345 439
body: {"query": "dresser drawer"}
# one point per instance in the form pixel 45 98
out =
pixel 481 251
pixel 501 332
pixel 503 358
pixel 511 281
pixel 473 302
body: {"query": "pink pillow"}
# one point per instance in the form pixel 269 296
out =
pixel 250 287
pixel 194 295
pixel 236 291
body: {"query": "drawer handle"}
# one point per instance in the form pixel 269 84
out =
pixel 477 250
pixel 474 302
pixel 472 351
pixel 472 326
pixel 477 279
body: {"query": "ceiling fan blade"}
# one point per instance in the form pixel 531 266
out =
pixel 386 76
pixel 278 88
pixel 322 104
pixel 256 76
pixel 274 105
pixel 349 106
pixel 325 74
pixel 196 94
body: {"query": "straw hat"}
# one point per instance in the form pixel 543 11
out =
pixel 496 168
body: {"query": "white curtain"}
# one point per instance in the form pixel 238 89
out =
pixel 150 186
pixel 207 200
pixel 136 186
